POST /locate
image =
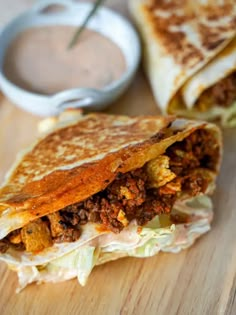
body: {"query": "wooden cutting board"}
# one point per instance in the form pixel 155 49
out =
pixel 197 281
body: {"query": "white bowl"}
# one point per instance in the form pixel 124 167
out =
pixel 106 22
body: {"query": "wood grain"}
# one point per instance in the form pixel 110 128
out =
pixel 198 281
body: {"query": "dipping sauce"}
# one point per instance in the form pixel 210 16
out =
pixel 39 61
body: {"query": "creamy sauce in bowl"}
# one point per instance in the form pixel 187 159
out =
pixel 38 60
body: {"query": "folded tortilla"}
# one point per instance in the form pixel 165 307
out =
pixel 102 187
pixel 190 56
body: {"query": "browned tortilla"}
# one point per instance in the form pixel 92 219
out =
pixel 76 161
pixel 179 38
pixel 175 41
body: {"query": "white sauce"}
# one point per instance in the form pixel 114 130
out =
pixel 38 60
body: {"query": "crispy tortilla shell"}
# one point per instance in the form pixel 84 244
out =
pixel 76 161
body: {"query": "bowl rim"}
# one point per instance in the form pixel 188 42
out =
pixel 36 10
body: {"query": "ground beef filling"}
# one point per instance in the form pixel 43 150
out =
pixel 130 196
pixel 222 93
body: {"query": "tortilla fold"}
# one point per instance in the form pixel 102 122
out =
pixel 189 50
pixel 117 169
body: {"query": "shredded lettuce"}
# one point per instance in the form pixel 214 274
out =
pixel 158 235
pixel 226 115
pixel 228 118
pixel 82 260
pixel 211 114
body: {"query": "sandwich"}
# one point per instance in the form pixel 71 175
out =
pixel 101 187
pixel 189 52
